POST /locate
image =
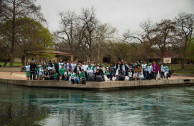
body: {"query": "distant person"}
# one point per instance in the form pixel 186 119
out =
pixel 27 71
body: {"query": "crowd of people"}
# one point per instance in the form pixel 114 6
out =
pixel 90 71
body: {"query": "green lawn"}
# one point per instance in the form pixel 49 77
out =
pixel 188 71
pixel 8 64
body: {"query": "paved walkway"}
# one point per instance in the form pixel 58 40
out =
pixel 22 76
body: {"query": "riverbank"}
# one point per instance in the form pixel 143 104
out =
pixel 18 78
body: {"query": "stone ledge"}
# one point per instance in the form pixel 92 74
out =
pixel 100 85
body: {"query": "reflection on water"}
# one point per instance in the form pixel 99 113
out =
pixel 23 106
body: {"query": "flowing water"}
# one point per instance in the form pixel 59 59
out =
pixel 24 106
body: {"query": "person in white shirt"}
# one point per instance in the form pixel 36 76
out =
pixel 27 71
pixel 130 75
pixel 60 64
pixel 73 65
pixel 41 73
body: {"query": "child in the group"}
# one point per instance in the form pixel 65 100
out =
pixel 28 71
pixel 130 74
pixel 40 73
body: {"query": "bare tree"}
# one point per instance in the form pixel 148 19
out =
pixel 163 35
pixel 185 25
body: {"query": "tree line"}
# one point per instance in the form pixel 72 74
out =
pixel 87 38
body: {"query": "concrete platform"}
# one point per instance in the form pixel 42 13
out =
pixel 109 85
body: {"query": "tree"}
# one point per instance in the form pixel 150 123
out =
pixel 83 34
pixel 13 9
pixel 32 37
pixel 185 25
pixel 164 32
pixel 190 50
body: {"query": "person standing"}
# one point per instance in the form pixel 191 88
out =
pixel 155 70
pixel 32 70
pixel 27 71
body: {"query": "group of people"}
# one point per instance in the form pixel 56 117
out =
pixel 90 71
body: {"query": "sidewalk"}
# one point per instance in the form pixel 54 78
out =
pixel 22 76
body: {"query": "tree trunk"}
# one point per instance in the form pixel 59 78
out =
pixel 184 53
pixel 23 59
pixel 5 63
pixel 13 38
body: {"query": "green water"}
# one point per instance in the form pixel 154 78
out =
pixel 23 106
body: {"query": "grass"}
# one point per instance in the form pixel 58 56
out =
pixel 8 64
pixel 188 71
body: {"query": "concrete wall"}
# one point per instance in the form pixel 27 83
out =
pixel 100 85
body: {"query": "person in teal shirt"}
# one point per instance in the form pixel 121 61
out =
pixel 62 71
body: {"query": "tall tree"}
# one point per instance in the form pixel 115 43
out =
pixel 32 37
pixel 185 24
pixel 164 32
pixel 13 9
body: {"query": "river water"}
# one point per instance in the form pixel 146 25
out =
pixel 24 106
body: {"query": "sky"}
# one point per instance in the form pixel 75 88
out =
pixel 121 14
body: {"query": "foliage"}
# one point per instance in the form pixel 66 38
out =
pixel 190 50
pixel 15 9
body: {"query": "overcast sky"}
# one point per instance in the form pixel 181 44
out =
pixel 122 14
